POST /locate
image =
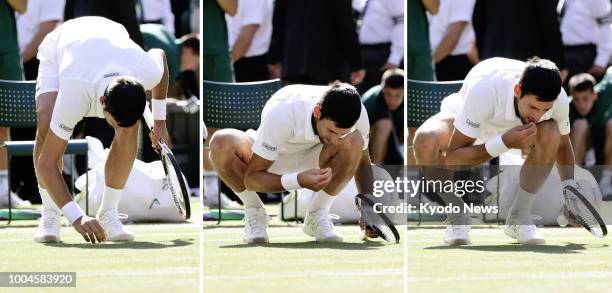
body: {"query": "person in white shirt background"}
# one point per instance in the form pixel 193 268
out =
pixel 452 37
pixel 381 38
pixel 586 32
pixel 249 34
pixel 157 11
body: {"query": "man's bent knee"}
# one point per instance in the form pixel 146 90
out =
pixel 548 132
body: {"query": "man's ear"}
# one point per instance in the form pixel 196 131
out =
pixel 317 111
pixel 595 95
pixel 102 100
pixel 517 90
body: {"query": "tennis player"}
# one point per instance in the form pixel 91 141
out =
pixel 503 104
pixel 89 67
pixel 311 137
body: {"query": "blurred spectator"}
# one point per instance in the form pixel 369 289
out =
pixel 216 62
pixel 250 32
pixel 385 106
pixel 381 37
pixel 420 62
pixel 452 37
pixel 121 11
pixel 158 36
pixel 315 42
pixel 157 11
pixel 590 115
pixel 10 69
pixel 40 18
pixel 519 29
pixel 190 65
pixel 587 38
pixel 194 18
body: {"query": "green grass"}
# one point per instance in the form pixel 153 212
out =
pixel 571 261
pixel 294 262
pixel 164 258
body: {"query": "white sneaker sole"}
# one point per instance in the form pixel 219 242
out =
pixel 336 238
pixel 120 238
pixel 256 240
pixel 457 241
pixel 47 239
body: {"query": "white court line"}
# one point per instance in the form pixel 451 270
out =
pixel 516 276
pixel 306 274
pixel 114 273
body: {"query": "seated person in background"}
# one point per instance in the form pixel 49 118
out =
pixel 385 106
pixel 590 111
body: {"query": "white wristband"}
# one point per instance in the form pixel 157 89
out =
pixel 496 146
pixel 72 211
pixel 290 181
pixel 158 107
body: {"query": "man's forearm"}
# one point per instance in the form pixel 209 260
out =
pixel 364 176
pixel 565 159
pixel 160 91
pixel 243 42
pixel 31 49
pixel 467 156
pixel 449 41
pixel 52 180
pixel 263 181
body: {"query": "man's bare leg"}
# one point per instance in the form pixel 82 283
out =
pixel 580 139
pixel 379 139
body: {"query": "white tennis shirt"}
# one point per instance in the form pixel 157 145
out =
pixel 286 122
pixel 484 107
pixel 82 56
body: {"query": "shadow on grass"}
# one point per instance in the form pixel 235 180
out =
pixel 568 248
pixel 366 245
pixel 240 224
pixel 127 245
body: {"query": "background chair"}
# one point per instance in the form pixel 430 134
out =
pixel 18 110
pixel 237 105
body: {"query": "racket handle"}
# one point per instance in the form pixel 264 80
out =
pixel 148 117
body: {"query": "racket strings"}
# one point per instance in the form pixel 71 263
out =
pixel 582 215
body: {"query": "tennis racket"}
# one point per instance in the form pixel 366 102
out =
pixel 580 210
pixel 174 176
pixel 378 223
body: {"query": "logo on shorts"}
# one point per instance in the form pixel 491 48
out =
pixel 64 127
pixel 111 74
pixel 471 123
pixel 269 147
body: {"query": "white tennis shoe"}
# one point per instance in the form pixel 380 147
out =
pixel 457 234
pixel 318 224
pixel 525 234
pixel 48 227
pixel 255 224
pixel 113 228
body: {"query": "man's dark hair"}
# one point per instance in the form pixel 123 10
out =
pixel 581 82
pixel 341 103
pixel 393 78
pixel 191 41
pixel 125 99
pixel 541 78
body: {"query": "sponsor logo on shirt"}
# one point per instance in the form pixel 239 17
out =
pixel 472 123
pixel 65 127
pixel 111 74
pixel 269 147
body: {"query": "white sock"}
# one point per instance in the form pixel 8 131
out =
pixel 250 199
pixel 521 208
pixel 110 198
pixel 321 200
pixel 47 201
pixel 211 186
